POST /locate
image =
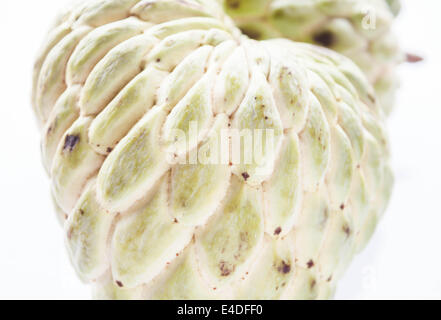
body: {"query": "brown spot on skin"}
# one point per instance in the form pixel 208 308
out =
pixel 277 231
pixel 329 279
pixel 120 284
pixel 109 150
pixel 233 4
pixel 69 233
pixel 284 268
pixel 413 58
pixel 310 264
pixel 82 212
pixel 175 221
pixel 158 60
pixel 325 38
pixel 347 230
pixel 214 288
pixel 66 217
pixel 342 206
pixel 313 283
pixel 251 33
pixel 372 98
pixel 225 269
pixel 245 175
pixel 70 142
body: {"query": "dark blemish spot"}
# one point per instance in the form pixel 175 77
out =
pixel 413 58
pixel 82 212
pixel 313 283
pixel 69 233
pixel 70 142
pixel 234 4
pixel 325 38
pixel 175 221
pixel 109 150
pixel 329 279
pixel 231 164
pixel 120 284
pixel 279 14
pixel 372 98
pixel 347 230
pixel 277 231
pixel 49 130
pixel 225 270
pixel 342 206
pixel 251 33
pixel 358 166
pixel 245 175
pixel 310 264
pixel 284 268
pixel 158 60
pixel 66 217
pixel 177 254
pixel 266 118
pixel 214 288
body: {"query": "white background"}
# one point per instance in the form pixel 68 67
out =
pixel 402 262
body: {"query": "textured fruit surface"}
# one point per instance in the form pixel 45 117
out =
pixel 114 82
pixel 359 29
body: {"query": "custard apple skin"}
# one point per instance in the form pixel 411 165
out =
pixel 116 78
pixel 359 29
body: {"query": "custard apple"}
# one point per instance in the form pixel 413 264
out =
pixel 154 210
pixel 359 29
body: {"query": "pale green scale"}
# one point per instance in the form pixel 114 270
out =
pixel 116 120
pixel 197 189
pixel 367 230
pixel 165 10
pixel 283 192
pixel 310 225
pixel 65 112
pixel 172 50
pixel 106 288
pixel 246 8
pixel 232 83
pixel 373 166
pixel 51 81
pixel 291 86
pixel 305 285
pixel 136 164
pixel 258 111
pixel 259 59
pixel 234 235
pixel 96 44
pixel 74 163
pixel 113 72
pixel 166 29
pixel 184 77
pixel 184 282
pixel 325 96
pixel 53 38
pixel 341 170
pixel 338 246
pixel 353 128
pixel 315 147
pixel 146 240
pixel 193 111
pixel 359 200
pixel 87 230
pixel 99 12
pixel 377 130
pixel 272 272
